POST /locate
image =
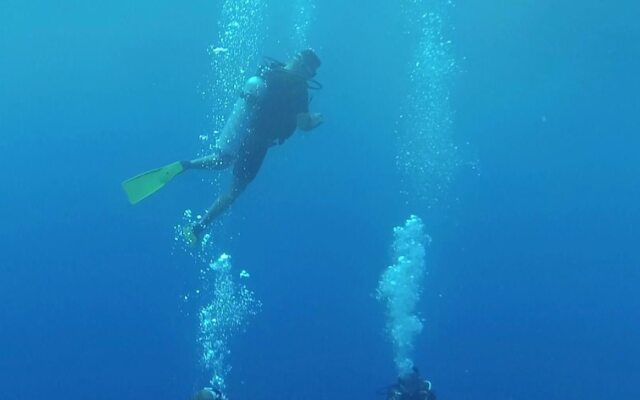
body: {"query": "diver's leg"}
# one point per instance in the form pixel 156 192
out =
pixel 245 169
pixel 221 205
pixel 215 161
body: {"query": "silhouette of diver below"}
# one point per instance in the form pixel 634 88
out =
pixel 411 387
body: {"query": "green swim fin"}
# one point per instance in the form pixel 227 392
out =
pixel 147 183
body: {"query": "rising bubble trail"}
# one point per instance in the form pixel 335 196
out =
pixel 400 288
pixel 427 157
pixel 230 307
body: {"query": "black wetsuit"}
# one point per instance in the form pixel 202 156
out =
pixel 274 121
pixel 411 387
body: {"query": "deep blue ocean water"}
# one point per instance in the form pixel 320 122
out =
pixel 532 291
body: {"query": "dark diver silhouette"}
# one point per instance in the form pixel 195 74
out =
pixel 273 104
pixel 411 387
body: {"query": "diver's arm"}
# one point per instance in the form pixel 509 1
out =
pixel 308 121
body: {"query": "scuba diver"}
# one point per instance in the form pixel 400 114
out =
pixel 208 394
pixel 411 387
pixel 272 105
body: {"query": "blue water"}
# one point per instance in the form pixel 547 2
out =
pixel 532 291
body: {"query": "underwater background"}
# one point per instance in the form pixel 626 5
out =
pixel 525 114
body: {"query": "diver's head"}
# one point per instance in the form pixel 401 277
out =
pixel 305 63
pixel 208 394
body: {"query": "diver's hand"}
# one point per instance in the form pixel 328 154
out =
pixel 309 121
pixel 316 120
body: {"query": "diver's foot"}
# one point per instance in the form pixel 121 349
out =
pixel 192 233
